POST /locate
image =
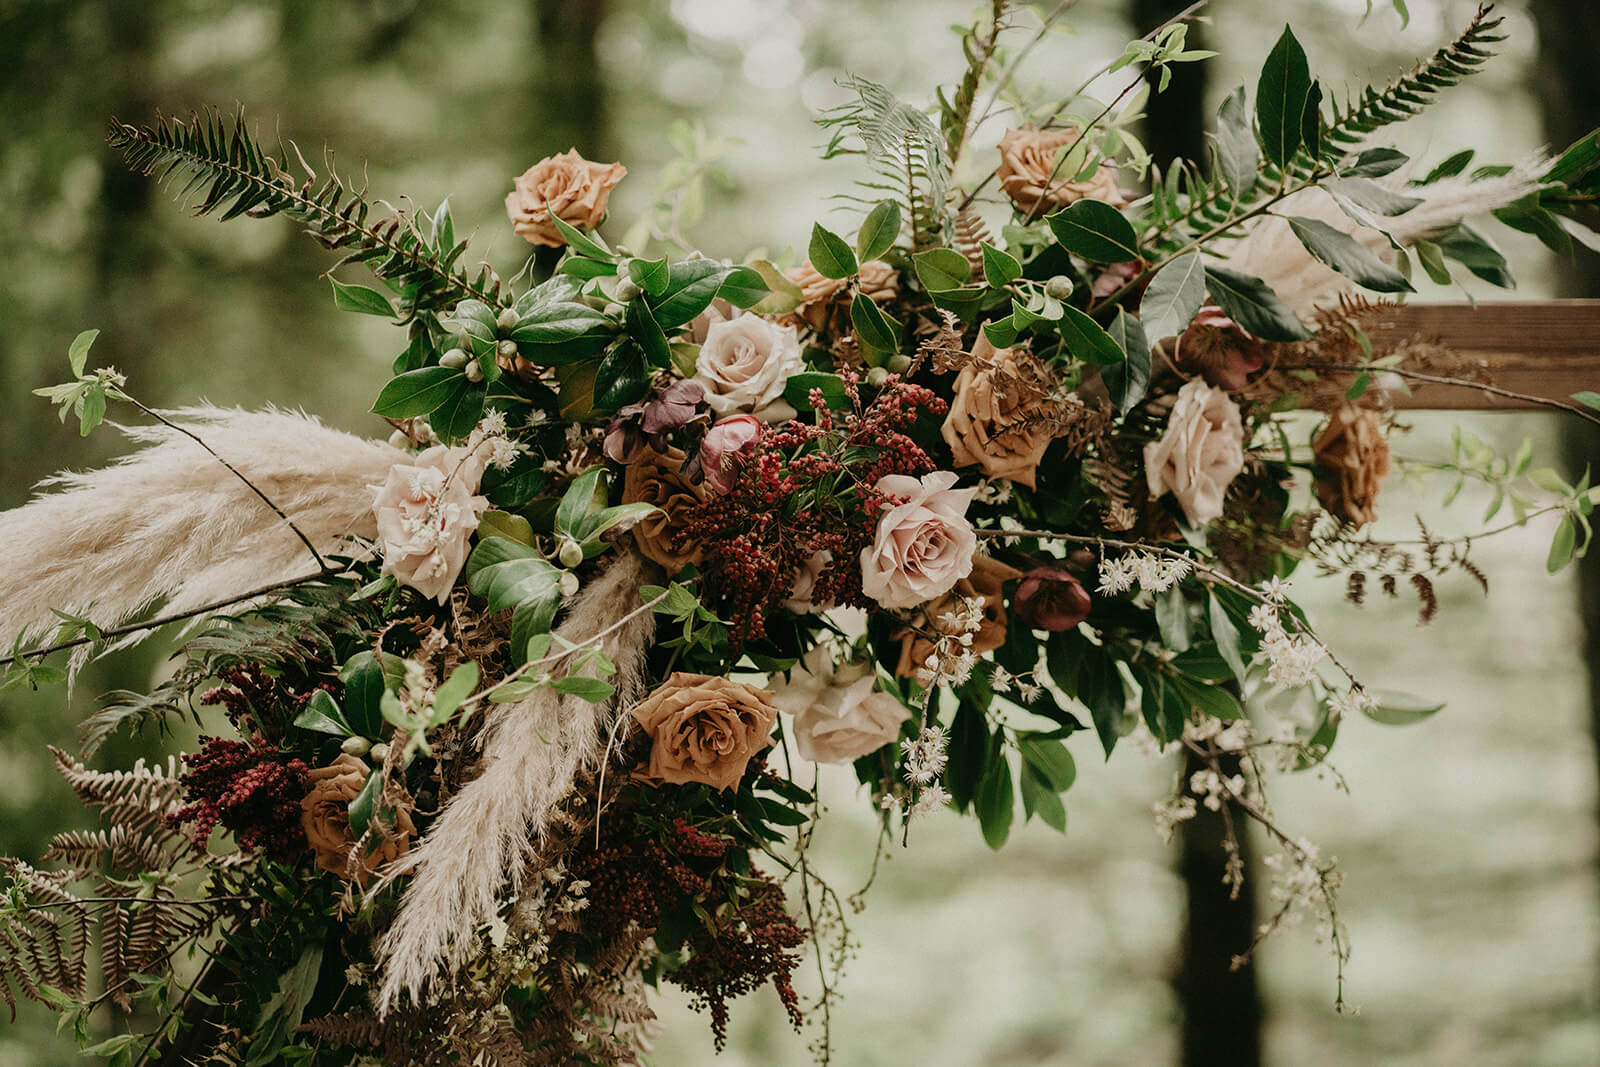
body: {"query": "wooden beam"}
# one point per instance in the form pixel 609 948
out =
pixel 1549 348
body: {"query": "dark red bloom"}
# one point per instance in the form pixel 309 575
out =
pixel 250 789
pixel 1051 599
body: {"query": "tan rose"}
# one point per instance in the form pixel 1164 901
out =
pixel 1028 158
pixel 1200 454
pixel 998 419
pixel 325 817
pixel 657 478
pixel 567 186
pixel 879 281
pixel 1352 458
pixel 819 296
pixel 705 729
pixel 986 580
pixel 839 714
pixel 426 511
pixel 923 546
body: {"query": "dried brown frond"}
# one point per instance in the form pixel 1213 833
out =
pixel 1343 549
pixel 971 234
pixel 1117 483
pixel 942 350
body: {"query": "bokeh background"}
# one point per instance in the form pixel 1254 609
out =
pixel 1469 841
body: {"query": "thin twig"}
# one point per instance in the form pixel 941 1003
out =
pixel 1462 383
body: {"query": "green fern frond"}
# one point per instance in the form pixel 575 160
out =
pixel 219 158
pixel 903 146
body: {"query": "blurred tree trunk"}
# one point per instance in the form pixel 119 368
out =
pixel 1569 93
pixel 568 94
pixel 1221 1006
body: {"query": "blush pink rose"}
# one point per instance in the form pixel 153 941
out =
pixel 839 714
pixel 726 439
pixel 426 512
pixel 1200 454
pixel 923 546
pixel 745 363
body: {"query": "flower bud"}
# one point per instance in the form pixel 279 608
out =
pixel 730 436
pixel 508 320
pixel 379 752
pixel 1058 287
pixel 454 358
pixel 400 439
pixel 507 348
pixel 898 363
pixel 569 583
pixel 628 289
pixel 355 746
pixel 571 553
pixel 877 376
pixel 1051 599
pixel 474 371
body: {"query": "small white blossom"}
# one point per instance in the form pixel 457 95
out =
pixel 1172 812
pixel 933 798
pixel 1001 679
pixel 493 424
pixel 1275 589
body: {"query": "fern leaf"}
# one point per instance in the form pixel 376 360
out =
pixel 905 149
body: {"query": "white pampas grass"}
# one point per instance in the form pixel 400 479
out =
pixel 1271 251
pixel 533 751
pixel 170 523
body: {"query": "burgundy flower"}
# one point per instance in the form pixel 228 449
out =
pixel 1218 349
pixel 727 438
pixel 1051 599
pixel 674 407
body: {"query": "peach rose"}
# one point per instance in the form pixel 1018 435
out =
pixel 1028 158
pixel 744 364
pixel 325 817
pixel 705 729
pixel 839 715
pixel 1200 454
pixel 1352 457
pixel 996 419
pixel 820 295
pixel 657 478
pixel 924 545
pixel 426 511
pixel 567 186
pixel 987 580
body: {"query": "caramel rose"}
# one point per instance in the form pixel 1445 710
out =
pixel 999 418
pixel 325 817
pixel 1352 458
pixel 567 186
pixel 987 578
pixel 657 478
pixel 1028 158
pixel 705 729
pixel 818 295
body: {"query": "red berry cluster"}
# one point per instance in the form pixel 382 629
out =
pixel 806 488
pixel 635 878
pixel 257 701
pixel 250 789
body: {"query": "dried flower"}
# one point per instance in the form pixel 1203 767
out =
pixel 1200 454
pixel 1027 160
pixel 657 478
pixel 705 728
pixel 1051 599
pixel 999 419
pixel 924 545
pixel 947 617
pixel 567 186
pixel 1352 458
pixel 325 818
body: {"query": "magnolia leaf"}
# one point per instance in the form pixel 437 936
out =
pixel 941 269
pixel 1348 256
pixel 691 286
pixel 323 715
pixel 1128 380
pixel 995 802
pixel 829 253
pixel 418 392
pixel 879 231
pixel 1086 340
pixel 1251 303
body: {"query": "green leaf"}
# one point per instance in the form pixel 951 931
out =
pixel 1000 269
pixel 456 688
pixel 1051 759
pixel 1128 380
pixel 941 269
pixel 1451 166
pixel 504 524
pixel 1588 398
pixel 879 231
pixel 418 392
pixel 1172 618
pixel 1348 256
pixel 1472 250
pixel 1401 709
pixel 651 275
pixel 91 409
pixel 1368 202
pixel 643 328
pixel 744 287
pixel 558 323
pixel 1432 261
pixel 1039 799
pixel 78 351
pixel 797 390
pixel 996 802
pixel 1096 231
pixel 365 803
pixel 1578 160
pixel 1174 297
pixel 1375 163
pixel 691 286
pixel 1311 121
pixel 582 243
pixel 1086 340
pixel 461 411
pixel 480 323
pixel 585 496
pixel 365 682
pixel 323 715
pixel 1238 156
pixel 360 299
pixel 874 329
pixel 591 689
pixel 1562 545
pixel 829 253
pixel 1251 303
pixel 1281 96
pixel 1226 635
pixel 1210 699
pixel 783 295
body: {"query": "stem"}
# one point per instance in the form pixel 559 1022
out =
pixel 1462 383
pixel 304 540
pixel 1062 156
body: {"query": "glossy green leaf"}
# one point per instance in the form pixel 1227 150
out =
pixel 996 802
pixel 874 329
pixel 460 412
pixel 797 390
pixel 941 269
pixel 1051 759
pixel 583 244
pixel 1128 380
pixel 1238 155
pixel 691 286
pixel 1281 95
pixel 829 253
pixel 1096 231
pixel 1039 799
pixel 365 682
pixel 1174 297
pixel 1086 340
pixel 879 231
pixel 1348 256
pixel 1474 251
pixel 622 378
pixel 651 275
pixel 1251 303
pixel 322 715
pixel 1000 268
pixel 744 287
pixel 417 392
pixel 644 329
pixel 496 523
pixel 360 299
pixel 559 323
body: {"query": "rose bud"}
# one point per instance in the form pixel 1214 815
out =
pixel 624 442
pixel 728 437
pixel 1050 599
pixel 1218 349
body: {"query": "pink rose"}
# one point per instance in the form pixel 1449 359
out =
pixel 571 188
pixel 1051 599
pixel 426 512
pixel 924 545
pixel 1200 454
pixel 839 715
pixel 745 363
pixel 730 436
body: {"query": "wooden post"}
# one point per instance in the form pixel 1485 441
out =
pixel 1549 348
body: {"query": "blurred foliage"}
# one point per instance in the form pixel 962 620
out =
pixel 454 99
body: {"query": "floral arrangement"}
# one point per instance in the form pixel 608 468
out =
pixel 525 704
